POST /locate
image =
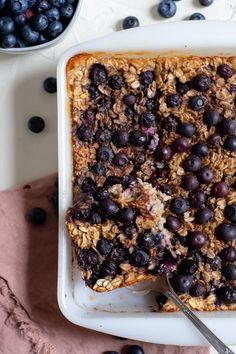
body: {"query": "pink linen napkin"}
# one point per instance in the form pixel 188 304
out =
pixel 30 320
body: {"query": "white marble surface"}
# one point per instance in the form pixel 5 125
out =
pixel 24 155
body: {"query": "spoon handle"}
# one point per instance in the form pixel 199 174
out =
pixel 219 346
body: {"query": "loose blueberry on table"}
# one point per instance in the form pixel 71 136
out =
pixel 25 23
pixel 151 145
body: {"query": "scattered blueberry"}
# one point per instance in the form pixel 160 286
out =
pixel 36 124
pixel 211 117
pixel 173 100
pixel 130 22
pixel 129 99
pixel 230 212
pixel 126 215
pixel 230 143
pixel 182 87
pixel 187 267
pixel 206 2
pixel 163 152
pixel 220 189
pixel 147 77
pixel 28 35
pixel 98 74
pixel 226 232
pixel 228 254
pixel 104 246
pixel 178 206
pixel 147 240
pixel 169 123
pixel 20 20
pixel 196 239
pixel 227 294
pixel 205 175
pixel 115 82
pixel 120 138
pixel 186 129
pixel 8 41
pixel 120 159
pixel 37 216
pixel 52 14
pixel 135 349
pixel 18 6
pixel 39 22
pixel 197 103
pixel 214 140
pixel 138 138
pixel 108 207
pixel 167 8
pixel 201 83
pixel 84 133
pixel 140 258
pixel 192 163
pixel 203 215
pixel 182 283
pixel 99 169
pixel 225 71
pixel 7 25
pixel 197 16
pixel 172 223
pixel 198 289
pixel 229 271
pixel 180 144
pixel 200 149
pixel 67 11
pixel 189 182
pixel 103 136
pixel 197 198
pixel 50 85
pixel 227 126
pixel 104 154
pixel 147 119
pixel 88 185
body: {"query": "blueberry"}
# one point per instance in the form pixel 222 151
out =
pixel 172 223
pixel 99 169
pixel 104 154
pixel 205 175
pixel 28 35
pixel 126 215
pixel 98 74
pixel 147 119
pixel 225 71
pixel 111 351
pixel 135 349
pixel 31 3
pixel 196 239
pixel 94 93
pixel 197 16
pixel 120 159
pixel 220 189
pixel 226 232
pixel 37 216
pixel 230 143
pixel 20 20
pixel 211 117
pixel 201 83
pixel 215 263
pixel 186 129
pixel 198 289
pixel 163 152
pixel 108 207
pixel 203 215
pixel 182 283
pixel 178 206
pixel 227 126
pixel 130 22
pixel 120 138
pixel 18 6
pixel 139 258
pixel 166 189
pixel 117 254
pixel 7 25
pixel 2 4
pixel 111 181
pixel 138 138
pixel 129 99
pixel 57 3
pixel 169 123
pixel 20 43
pixel 110 270
pixel 103 136
pixel 129 181
pixel 54 29
pixel 197 103
pixel 197 198
pixel 67 11
pixel 8 41
pixel 50 85
pixel 206 2
pixel 84 133
pixel 101 194
pixel 95 218
pixel 39 22
pixel 214 140
pixel 228 254
pixel 200 149
pixel 88 185
pixel 229 271
pixel 167 8
pixel 227 294
pixel 192 163
pixel 42 6
pixel 42 38
pixel 147 240
pixel 189 182
pixel 180 144
pixel 187 267
pixel 150 104
pixel 173 100
pixel 129 112
pixel 87 258
pixel 116 82
pixel 182 87
pixel 52 14
pixel 230 212
pixel 147 77
pixel 36 124
pixel 104 246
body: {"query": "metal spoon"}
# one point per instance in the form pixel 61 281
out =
pixel 163 286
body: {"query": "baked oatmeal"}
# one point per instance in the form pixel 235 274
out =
pixel 154 174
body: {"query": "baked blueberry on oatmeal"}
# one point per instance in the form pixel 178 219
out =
pixel 154 174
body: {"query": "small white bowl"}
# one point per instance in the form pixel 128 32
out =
pixel 47 44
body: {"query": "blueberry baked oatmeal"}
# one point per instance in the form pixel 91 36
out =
pixel 154 174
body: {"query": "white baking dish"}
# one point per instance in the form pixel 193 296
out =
pixel 120 312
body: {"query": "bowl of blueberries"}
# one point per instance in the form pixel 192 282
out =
pixel 30 25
